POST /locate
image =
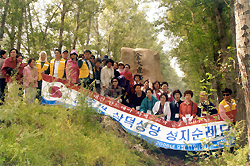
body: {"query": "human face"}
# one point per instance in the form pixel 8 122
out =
pixel 163 99
pixel 13 54
pixel 109 65
pixel 203 96
pixel 164 88
pixel 146 85
pixel 4 56
pixel 137 89
pixel 177 96
pixel 87 55
pixel 115 82
pixel 20 58
pixel 92 59
pixel 121 66
pixel 73 56
pixel 188 98
pixel 57 55
pixel 43 56
pixel 157 86
pixel 127 68
pixel 115 66
pixel 32 63
pixel 149 94
pixel 227 96
pixel 137 79
pixel 65 55
pixel 97 64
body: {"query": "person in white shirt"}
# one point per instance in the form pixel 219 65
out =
pixel 107 74
pixel 162 107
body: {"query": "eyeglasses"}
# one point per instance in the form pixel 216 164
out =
pixel 115 81
pixel 226 94
pixel 126 67
pixel 92 58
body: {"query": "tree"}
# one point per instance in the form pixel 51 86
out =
pixel 242 19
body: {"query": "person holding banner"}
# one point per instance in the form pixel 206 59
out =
pixel 188 108
pixel 137 97
pixel 42 66
pixel 162 108
pixel 206 106
pixel 175 105
pixel 148 102
pixel 227 105
pixel 114 91
pixel 57 66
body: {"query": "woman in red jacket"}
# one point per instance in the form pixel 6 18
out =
pixel 188 108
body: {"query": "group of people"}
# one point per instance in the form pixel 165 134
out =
pixel 111 79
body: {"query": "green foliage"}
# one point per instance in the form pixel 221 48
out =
pixel 205 37
pixel 236 155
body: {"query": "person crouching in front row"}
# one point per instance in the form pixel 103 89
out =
pixel 162 108
pixel 188 108
pixel 148 102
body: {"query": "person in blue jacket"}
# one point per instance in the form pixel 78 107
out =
pixel 148 102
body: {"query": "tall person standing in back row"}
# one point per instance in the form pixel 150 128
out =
pixel 57 66
pixel 42 66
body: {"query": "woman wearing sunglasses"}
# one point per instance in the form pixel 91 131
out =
pixel 227 105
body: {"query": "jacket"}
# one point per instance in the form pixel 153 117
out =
pixel 174 108
pixel 166 109
pixel 84 72
pixel 225 108
pixel 41 69
pixel 30 76
pixel 148 105
pixel 206 107
pixel 106 75
pixel 13 67
pixel 185 109
pixel 61 68
pixel 72 71
pixel 136 101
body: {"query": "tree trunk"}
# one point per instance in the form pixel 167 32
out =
pixel 108 49
pixel 224 43
pixel 46 28
pixel 88 34
pixel 242 19
pixel 3 20
pixel 20 28
pixel 77 27
pixel 99 52
pixel 63 13
pixel 241 108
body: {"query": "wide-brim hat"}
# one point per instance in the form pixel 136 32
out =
pixel 121 63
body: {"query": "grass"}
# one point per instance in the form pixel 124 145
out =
pixel 53 135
